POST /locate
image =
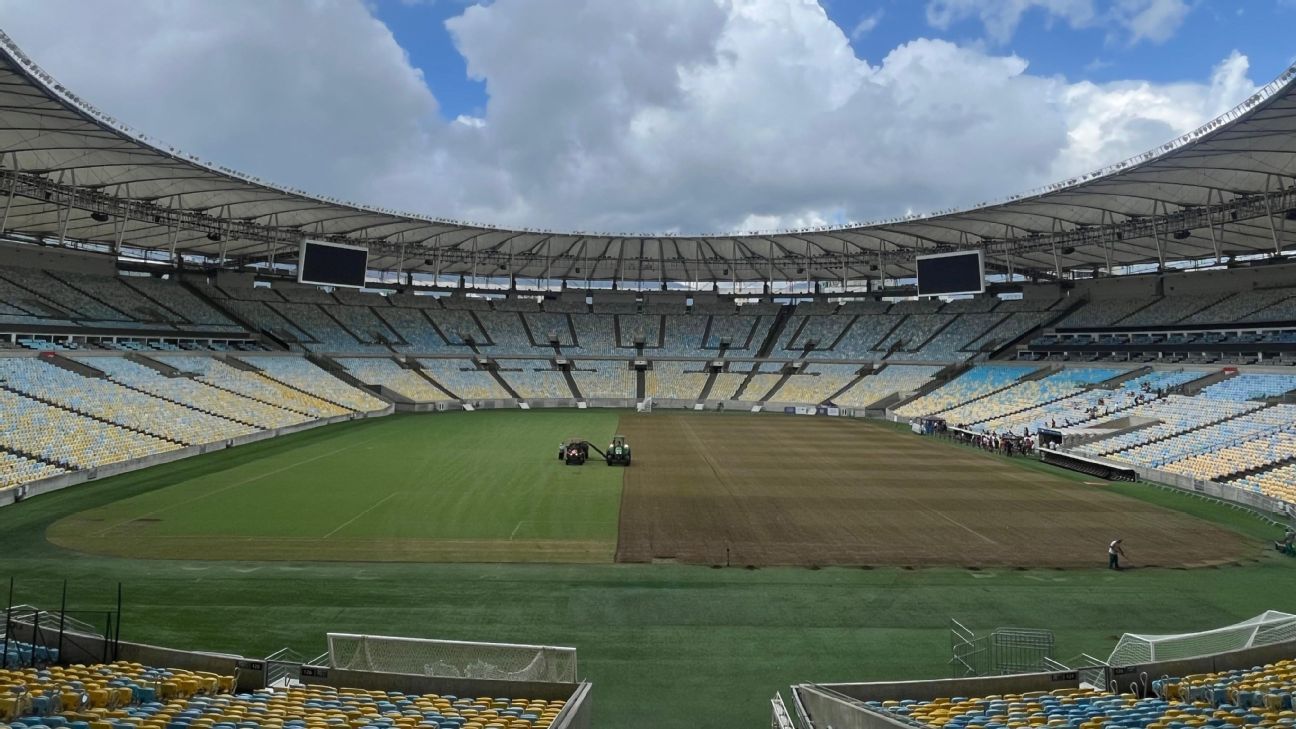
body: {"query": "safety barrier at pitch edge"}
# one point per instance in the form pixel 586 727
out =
pixel 1220 491
pixel 15 494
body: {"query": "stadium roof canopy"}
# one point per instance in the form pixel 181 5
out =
pixel 70 173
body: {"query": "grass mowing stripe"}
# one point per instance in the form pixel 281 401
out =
pixel 462 477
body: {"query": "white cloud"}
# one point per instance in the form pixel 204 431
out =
pixel 1119 120
pixel 1152 20
pixel 1001 17
pixel 867 24
pixel 659 115
pixel 1134 20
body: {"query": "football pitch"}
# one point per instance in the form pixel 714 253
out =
pixel 666 645
pixel 723 489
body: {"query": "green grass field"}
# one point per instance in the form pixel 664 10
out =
pixel 481 488
pixel 665 645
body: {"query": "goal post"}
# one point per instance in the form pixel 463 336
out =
pixel 452 658
pixel 1267 628
pixel 646 406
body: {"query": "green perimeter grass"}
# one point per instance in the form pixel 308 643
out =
pixel 665 645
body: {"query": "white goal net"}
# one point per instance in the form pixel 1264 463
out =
pixel 452 658
pixel 646 406
pixel 1266 629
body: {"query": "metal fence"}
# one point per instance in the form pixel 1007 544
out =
pixel 1001 652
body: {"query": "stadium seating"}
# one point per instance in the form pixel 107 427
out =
pixel 364 325
pixel 683 337
pixel 1281 309
pixel 302 375
pixel 604 379
pixel 1244 427
pixel 913 333
pixel 1260 695
pixel 1278 482
pixel 1174 414
pixel 194 393
pixel 1026 395
pixel 1250 387
pixel 323 331
pixel 463 379
pixel 386 372
pixel 950 343
pixel 535 379
pixel 745 334
pixel 458 326
pixel 131 695
pixel 416 330
pixel 726 385
pixel 254 385
pixel 1092 404
pixel 182 301
pixel 639 327
pixel 823 331
pixel 106 400
pixel 507 333
pixel 595 336
pixel 116 294
pixel 816 383
pixel 548 326
pixel 16 469
pixel 1102 312
pixel 1009 329
pixel 72 441
pixel 28 284
pixel 261 316
pixel 1245 456
pixel 1171 309
pixel 760 384
pixel 675 380
pixel 1239 307
pixel 860 339
pixel 891 380
pixel 977 382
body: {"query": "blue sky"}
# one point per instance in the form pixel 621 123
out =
pixel 1259 29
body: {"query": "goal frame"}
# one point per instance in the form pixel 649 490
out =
pixel 459 659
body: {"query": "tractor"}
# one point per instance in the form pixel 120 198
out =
pixel 574 452
pixel 618 452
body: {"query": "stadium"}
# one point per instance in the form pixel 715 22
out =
pixel 271 460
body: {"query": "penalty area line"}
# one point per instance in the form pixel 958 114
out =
pixel 350 521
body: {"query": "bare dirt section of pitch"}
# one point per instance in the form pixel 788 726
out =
pixel 795 490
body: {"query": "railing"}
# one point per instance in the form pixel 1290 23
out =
pixel 779 717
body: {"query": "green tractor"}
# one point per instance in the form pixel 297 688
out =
pixel 618 451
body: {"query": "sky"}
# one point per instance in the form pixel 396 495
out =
pixel 660 116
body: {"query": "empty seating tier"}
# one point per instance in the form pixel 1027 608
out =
pixel 302 375
pixel 387 372
pixel 130 695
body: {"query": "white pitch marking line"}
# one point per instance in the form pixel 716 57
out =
pixel 515 530
pixel 234 485
pixel 963 526
pixel 348 522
